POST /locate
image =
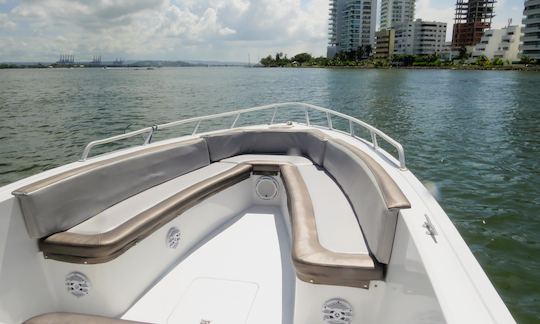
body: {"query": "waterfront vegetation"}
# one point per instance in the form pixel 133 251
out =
pixel 356 59
pixel 362 59
pixel 21 66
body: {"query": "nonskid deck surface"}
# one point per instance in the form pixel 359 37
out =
pixel 242 275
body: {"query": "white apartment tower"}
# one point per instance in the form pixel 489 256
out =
pixel 499 43
pixel 395 12
pixel 352 25
pixel 420 37
pixel 531 32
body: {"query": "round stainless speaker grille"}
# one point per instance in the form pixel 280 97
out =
pixel 337 311
pixel 77 284
pixel 266 188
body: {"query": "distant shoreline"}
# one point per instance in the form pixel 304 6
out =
pixel 111 65
pixel 535 68
pixel 515 67
pixel 22 67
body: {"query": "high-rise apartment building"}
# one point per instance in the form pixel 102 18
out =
pixel 420 37
pixel 395 12
pixel 473 17
pixel 499 43
pixel 384 43
pixel 531 32
pixel 352 25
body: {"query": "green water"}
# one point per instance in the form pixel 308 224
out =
pixel 475 134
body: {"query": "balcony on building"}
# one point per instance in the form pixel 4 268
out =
pixel 530 21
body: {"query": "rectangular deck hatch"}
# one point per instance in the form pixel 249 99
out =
pixel 215 301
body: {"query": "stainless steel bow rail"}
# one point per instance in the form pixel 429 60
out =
pixel 306 108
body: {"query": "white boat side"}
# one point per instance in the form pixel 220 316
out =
pixel 432 276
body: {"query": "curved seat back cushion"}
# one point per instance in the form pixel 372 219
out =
pixel 60 202
pixel 231 143
pixel 102 247
pixel 378 223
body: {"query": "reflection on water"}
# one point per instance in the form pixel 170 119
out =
pixel 474 134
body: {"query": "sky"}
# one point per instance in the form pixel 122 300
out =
pixel 224 30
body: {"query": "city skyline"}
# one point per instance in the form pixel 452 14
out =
pixel 190 30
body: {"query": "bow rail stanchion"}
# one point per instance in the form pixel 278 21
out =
pixel 302 107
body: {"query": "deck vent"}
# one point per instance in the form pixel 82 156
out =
pixel 266 188
pixel 337 311
pixel 77 284
pixel 173 237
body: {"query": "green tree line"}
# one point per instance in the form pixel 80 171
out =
pixel 343 58
pixel 362 57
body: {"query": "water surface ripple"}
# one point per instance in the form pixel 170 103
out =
pixel 475 134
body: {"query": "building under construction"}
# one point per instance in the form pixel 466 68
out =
pixel 473 17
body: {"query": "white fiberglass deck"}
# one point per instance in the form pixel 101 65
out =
pixel 234 262
pixel 252 276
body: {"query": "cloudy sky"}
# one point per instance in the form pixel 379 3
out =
pixel 227 30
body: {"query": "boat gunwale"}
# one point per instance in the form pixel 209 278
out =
pixel 305 107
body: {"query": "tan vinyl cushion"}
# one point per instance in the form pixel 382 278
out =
pixel 102 247
pixel 72 318
pixel 64 200
pixel 312 261
pixel 296 160
pixel 375 197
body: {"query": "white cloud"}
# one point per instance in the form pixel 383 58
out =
pixel 170 29
pixel 5 22
pixel 178 29
pixel 185 25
